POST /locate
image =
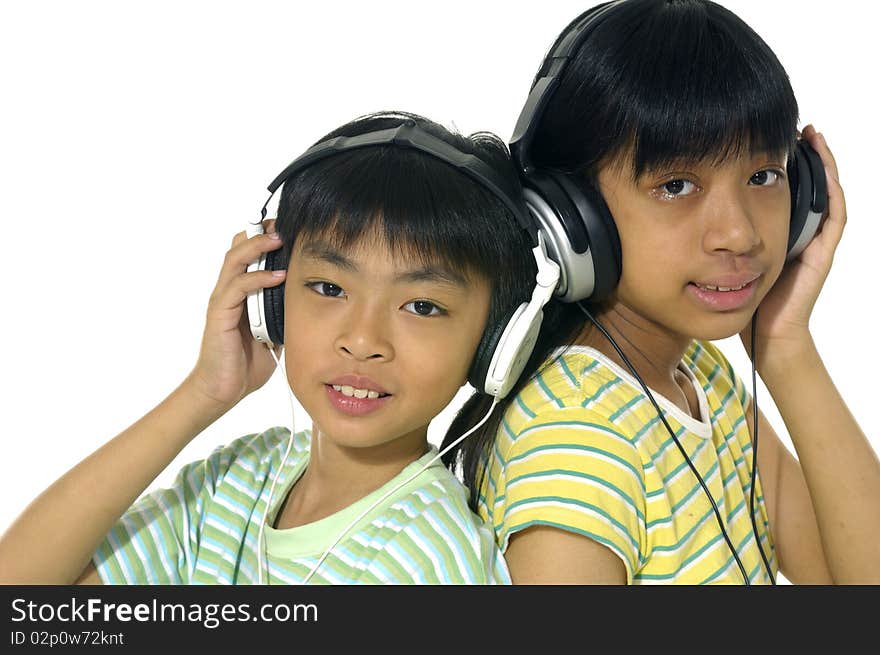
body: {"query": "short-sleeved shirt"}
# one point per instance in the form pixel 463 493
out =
pixel 583 449
pixel 204 529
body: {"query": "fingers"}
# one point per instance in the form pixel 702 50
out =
pixel 234 282
pixel 817 140
pixel 268 228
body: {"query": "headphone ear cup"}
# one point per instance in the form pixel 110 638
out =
pixel 601 231
pixel 580 233
pixel 273 300
pixel 564 211
pixel 485 352
pixel 506 346
pixel 809 197
pixel 503 354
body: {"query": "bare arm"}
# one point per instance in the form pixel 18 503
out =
pixel 793 524
pixel 827 505
pixel 89 576
pixel 84 504
pixel 825 515
pixel 545 555
pixel 86 501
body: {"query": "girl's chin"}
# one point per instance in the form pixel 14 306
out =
pixel 718 327
pixel 683 318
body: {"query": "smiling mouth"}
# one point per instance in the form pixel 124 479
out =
pixel 356 402
pixel 722 298
pixel 729 287
pixel 354 392
pixel 709 287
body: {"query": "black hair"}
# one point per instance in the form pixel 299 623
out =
pixel 422 206
pixel 665 81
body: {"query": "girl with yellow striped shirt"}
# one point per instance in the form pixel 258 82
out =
pixel 659 149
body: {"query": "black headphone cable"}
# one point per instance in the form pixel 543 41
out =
pixel 675 439
pixel 755 448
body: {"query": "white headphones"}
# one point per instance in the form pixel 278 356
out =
pixel 504 348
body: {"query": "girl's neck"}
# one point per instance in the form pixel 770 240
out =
pixel 653 351
pixel 337 476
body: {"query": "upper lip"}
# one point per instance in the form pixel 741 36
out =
pixel 358 382
pixel 729 281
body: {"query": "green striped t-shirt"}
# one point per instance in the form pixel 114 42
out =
pixel 204 528
pixel 582 449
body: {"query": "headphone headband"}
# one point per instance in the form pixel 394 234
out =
pixel 548 79
pixel 505 347
pixel 409 135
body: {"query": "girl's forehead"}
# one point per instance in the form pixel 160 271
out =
pixel 368 243
pixel 625 162
pixel 374 250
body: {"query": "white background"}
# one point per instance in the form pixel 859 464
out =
pixel 137 138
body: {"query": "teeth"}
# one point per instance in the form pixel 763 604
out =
pixel 709 287
pixel 356 393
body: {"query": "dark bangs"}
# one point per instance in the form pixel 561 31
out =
pixel 669 81
pixel 425 209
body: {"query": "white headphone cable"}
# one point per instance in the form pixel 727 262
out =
pixel 362 514
pixel 277 475
pixel 391 491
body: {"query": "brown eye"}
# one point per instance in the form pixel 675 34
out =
pixel 424 308
pixel 676 189
pixel 764 178
pixel 326 289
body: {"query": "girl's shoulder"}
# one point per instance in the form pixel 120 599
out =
pixel 430 485
pixel 570 378
pixel 584 397
pixel 714 372
pixel 583 376
pixel 430 508
pixel 274 440
pixel 578 401
pixel 706 356
pixel 582 384
pixel 255 455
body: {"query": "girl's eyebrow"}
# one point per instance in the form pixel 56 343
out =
pixel 683 164
pixel 324 252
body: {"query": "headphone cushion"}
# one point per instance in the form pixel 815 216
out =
pixel 602 231
pixel 564 210
pixel 582 211
pixel 273 301
pixel 800 184
pixel 809 193
pixel 485 352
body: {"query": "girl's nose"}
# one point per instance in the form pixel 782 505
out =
pixel 366 337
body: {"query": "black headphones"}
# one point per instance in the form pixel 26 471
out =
pixel 579 228
pixel 504 348
pixel 582 236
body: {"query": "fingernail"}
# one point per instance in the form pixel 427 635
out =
pixel 274 235
pixel 279 273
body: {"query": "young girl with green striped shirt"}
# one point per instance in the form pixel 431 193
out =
pixel 396 264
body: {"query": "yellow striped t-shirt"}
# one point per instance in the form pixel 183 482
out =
pixel 582 448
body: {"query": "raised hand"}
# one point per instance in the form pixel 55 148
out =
pixel 784 313
pixel 231 362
